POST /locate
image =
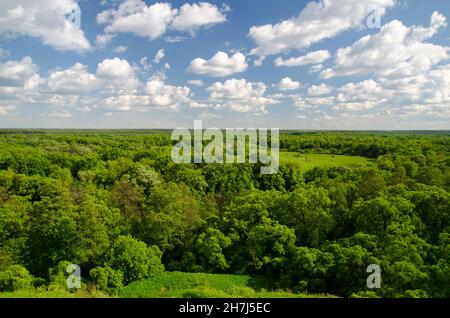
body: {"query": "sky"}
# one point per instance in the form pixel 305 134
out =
pixel 288 64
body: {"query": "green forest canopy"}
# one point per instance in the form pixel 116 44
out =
pixel 114 203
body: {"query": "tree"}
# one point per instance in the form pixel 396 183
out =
pixel 306 211
pixel 374 216
pixel 209 249
pixel 269 244
pixel 134 259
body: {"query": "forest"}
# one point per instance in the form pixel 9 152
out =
pixel 115 204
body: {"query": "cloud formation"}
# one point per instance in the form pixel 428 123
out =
pixel 154 20
pixel 316 22
pixel 220 65
pixel 46 20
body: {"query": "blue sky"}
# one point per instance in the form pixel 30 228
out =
pixel 286 64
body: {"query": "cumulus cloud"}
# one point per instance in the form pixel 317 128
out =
pixel 118 72
pixel 396 51
pixel 318 21
pixel 162 95
pixel 435 87
pixel 190 17
pixel 156 94
pixel 363 95
pixel 112 75
pixel 75 80
pixel 303 102
pixel 114 85
pixel 121 49
pixel 220 65
pixel 46 20
pixel 287 84
pixel 115 68
pixel 134 16
pixel 240 96
pixel 17 73
pixel 318 90
pixel 153 21
pixel 103 40
pixel 315 57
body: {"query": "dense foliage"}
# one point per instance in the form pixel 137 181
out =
pixel 115 204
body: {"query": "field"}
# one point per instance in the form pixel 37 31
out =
pixel 176 284
pixel 306 162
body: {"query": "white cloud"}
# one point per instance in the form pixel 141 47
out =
pixel 60 115
pixel 5 110
pixel 436 87
pixel 134 16
pixel 175 39
pixel 121 49
pixel 395 52
pixel 153 21
pixel 220 65
pixel 75 80
pixel 115 68
pixel 125 102
pixel 240 96
pixel 163 95
pixel 363 95
pixel 159 56
pixel 315 57
pixel 318 21
pixel 156 94
pixel 198 83
pixel 420 33
pixel 312 102
pixel 103 40
pixel 197 104
pixel 287 84
pixel 319 90
pixel 117 74
pixel 316 68
pixel 190 17
pixel 44 19
pixel 17 73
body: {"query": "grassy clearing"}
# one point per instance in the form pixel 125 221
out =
pixel 187 285
pixel 59 293
pixel 175 285
pixel 306 162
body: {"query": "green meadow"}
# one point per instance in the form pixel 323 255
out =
pixel 306 162
pixel 199 285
